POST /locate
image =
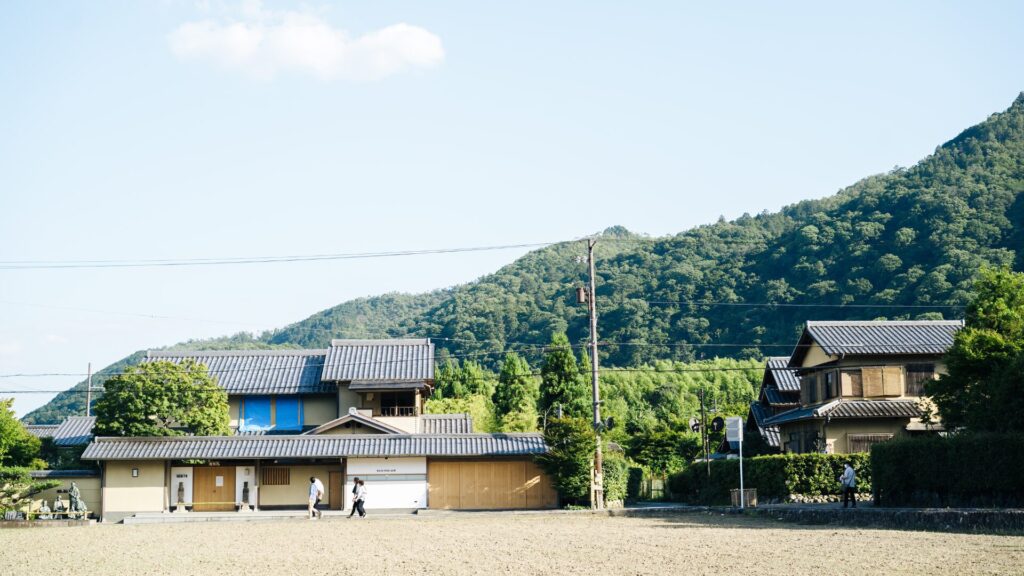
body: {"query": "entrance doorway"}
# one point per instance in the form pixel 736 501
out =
pixel 213 489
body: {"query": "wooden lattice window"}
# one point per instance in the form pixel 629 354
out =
pixel 864 442
pixel 917 375
pixel 276 477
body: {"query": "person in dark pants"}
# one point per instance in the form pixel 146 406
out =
pixel 848 481
pixel 355 488
pixel 361 498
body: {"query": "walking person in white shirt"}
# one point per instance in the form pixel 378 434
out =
pixel 360 498
pixel 316 493
pixel 848 481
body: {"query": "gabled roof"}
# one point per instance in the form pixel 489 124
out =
pixel 42 430
pixel 258 371
pixel 356 418
pixel 74 431
pixel 328 446
pixel 777 372
pixel 777 398
pixel 876 338
pixel 394 360
pixel 446 424
pixel 849 409
pixel 769 433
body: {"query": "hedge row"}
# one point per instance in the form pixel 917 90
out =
pixel 774 477
pixel 962 470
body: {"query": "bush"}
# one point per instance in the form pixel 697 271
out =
pixel 774 477
pixel 570 457
pixel 963 470
pixel 615 470
pixel 635 483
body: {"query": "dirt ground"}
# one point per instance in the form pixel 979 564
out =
pixel 503 544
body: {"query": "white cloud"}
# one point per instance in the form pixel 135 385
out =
pixel 264 44
pixel 55 339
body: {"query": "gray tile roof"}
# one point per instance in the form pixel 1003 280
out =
pixel 769 433
pixel 876 409
pixel 849 409
pixel 74 431
pixel 259 371
pixel 777 398
pixel 329 446
pixel 784 378
pixel 42 430
pixel 407 359
pixel 885 337
pixel 446 424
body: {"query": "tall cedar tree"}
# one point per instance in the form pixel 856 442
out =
pixel 162 399
pixel 983 390
pixel 514 392
pixel 561 381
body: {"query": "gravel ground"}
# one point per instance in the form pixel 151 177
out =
pixel 503 544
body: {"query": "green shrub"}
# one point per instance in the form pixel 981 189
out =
pixel 570 457
pixel 962 470
pixel 615 470
pixel 635 483
pixel 774 477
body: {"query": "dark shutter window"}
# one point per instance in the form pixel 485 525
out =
pixel 917 375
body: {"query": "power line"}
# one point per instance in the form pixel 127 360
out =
pixel 793 305
pixel 152 263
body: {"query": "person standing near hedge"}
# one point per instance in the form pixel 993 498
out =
pixel 849 483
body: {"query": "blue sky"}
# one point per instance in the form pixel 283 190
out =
pixel 206 129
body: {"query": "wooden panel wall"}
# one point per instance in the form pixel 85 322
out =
pixel 488 485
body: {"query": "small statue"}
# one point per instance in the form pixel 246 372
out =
pixel 181 493
pixel 244 505
pixel 58 505
pixel 77 504
pixel 44 512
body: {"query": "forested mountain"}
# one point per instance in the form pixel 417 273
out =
pixel 742 288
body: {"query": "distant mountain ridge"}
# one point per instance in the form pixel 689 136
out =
pixel 911 237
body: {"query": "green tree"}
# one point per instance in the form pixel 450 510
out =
pixel 478 406
pixel 18 447
pixel 453 380
pixel 515 390
pixel 162 399
pixel 664 451
pixel 570 456
pixel 983 389
pixel 561 382
pixel 17 487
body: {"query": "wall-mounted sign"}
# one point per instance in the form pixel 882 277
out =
pixel 219 481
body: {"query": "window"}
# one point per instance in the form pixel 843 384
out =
pixel 255 413
pixel 288 413
pixel 830 384
pixel 812 392
pixel 397 403
pixel 864 442
pixel 917 375
pixel 276 476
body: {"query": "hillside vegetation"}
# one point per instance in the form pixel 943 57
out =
pixel 911 237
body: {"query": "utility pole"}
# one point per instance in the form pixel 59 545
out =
pixel 88 393
pixel 704 431
pixel 597 485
